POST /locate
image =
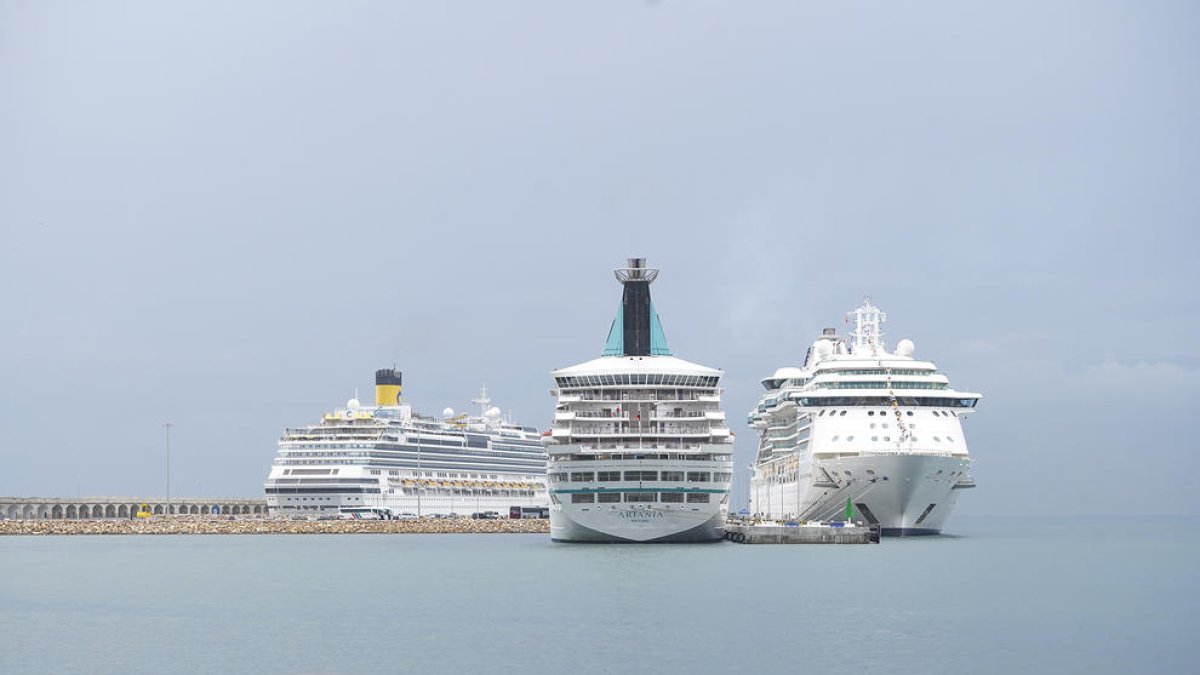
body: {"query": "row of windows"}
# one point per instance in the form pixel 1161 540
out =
pixel 907 401
pixel 637 378
pixel 879 371
pixel 640 497
pixel 882 385
pixel 937 439
pixel 670 476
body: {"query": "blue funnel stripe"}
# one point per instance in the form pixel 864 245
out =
pixel 615 346
pixel 658 339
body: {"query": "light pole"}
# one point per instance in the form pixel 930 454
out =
pixel 167 426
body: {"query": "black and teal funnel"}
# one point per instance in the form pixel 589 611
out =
pixel 636 331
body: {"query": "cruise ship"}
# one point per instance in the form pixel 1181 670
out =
pixel 639 450
pixel 391 461
pixel 859 426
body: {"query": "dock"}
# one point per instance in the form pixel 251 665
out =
pixel 796 533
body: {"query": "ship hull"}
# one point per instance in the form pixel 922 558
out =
pixel 621 523
pixel 906 495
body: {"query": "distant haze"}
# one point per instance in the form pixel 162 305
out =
pixel 229 214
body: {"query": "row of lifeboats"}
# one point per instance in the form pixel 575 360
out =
pixel 497 485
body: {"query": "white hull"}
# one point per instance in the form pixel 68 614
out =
pixel 637 523
pixel 897 495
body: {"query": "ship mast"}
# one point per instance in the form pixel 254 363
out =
pixel 868 322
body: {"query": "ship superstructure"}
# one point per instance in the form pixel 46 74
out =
pixel 639 450
pixel 392 460
pixel 859 424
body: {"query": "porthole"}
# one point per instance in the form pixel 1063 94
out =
pixel 937 439
pixel 909 413
pixel 885 425
pixel 842 414
pixel 870 412
pixel 887 438
pixel 949 439
pixel 875 438
pixel 872 425
pixel 849 438
pixel 870 472
pixel 822 414
pixel 847 473
pixel 936 413
pixel 834 438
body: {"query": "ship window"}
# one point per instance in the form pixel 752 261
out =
pixel 842 414
pixel 697 476
pixel 936 413
pixel 582 477
pixel 874 438
pixel 849 438
pixel 641 475
pixel 701 498
pixel 887 438
pixel 834 438
pixel 885 425
pixel 671 497
pixel 909 413
pixel 676 476
pixel 937 438
pixel 640 497
pixel 949 439
pixel 870 412
pixel 609 497
pixel 872 425
pixel 583 498
pixel 608 475
pixel 821 414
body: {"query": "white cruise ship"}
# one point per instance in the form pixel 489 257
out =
pixel 860 425
pixel 387 459
pixel 639 450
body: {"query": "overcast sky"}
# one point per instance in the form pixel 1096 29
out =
pixel 229 214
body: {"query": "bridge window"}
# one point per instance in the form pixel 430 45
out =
pixel 582 477
pixel 583 498
pixel 701 498
pixel 671 497
pixel 609 497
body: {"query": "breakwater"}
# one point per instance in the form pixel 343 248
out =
pixel 185 525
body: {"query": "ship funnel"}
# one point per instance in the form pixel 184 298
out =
pixel 387 387
pixel 636 330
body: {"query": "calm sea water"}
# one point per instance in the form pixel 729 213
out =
pixel 1095 596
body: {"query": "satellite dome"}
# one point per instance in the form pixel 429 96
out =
pixel 353 404
pixel 493 412
pixel 905 347
pixel 448 412
pixel 823 348
pixel 788 373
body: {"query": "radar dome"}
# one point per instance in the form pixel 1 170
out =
pixel 353 404
pixel 823 348
pixel 493 412
pixel 448 412
pixel 788 373
pixel 905 347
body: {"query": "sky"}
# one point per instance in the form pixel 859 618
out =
pixel 228 214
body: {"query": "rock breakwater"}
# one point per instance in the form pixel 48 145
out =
pixel 271 526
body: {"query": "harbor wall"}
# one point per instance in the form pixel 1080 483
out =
pixel 251 525
pixel 98 508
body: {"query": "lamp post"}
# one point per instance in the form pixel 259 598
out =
pixel 167 426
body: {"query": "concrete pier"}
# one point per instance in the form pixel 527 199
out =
pixel 746 533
